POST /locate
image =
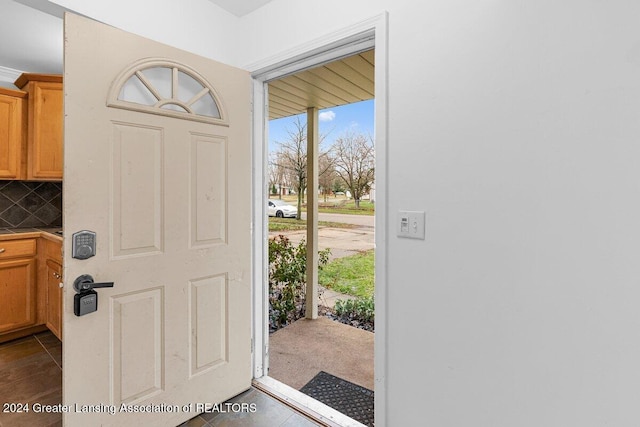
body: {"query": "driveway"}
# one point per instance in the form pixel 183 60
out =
pixel 362 220
pixel 342 241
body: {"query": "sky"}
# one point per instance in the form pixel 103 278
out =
pixel 334 122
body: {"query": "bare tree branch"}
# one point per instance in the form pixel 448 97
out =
pixel 354 160
pixel 291 158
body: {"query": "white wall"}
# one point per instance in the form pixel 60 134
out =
pixel 26 36
pixel 516 126
pixel 197 25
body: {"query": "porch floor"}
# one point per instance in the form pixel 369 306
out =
pixel 299 351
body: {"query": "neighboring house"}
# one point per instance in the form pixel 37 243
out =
pixel 515 127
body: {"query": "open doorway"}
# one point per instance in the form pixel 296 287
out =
pixel 335 348
pixel 269 363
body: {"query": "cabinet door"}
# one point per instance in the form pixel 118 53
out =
pixel 17 294
pixel 45 131
pixel 54 298
pixel 12 134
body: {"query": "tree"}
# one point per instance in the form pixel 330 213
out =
pixel 353 158
pixel 277 175
pixel 292 158
pixel 328 177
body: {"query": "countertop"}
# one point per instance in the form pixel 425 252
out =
pixel 17 233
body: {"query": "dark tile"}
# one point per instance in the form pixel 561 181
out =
pixel 56 202
pixel 47 214
pixel 269 412
pixel 25 367
pixel 25 230
pixel 4 202
pixel 4 224
pixel 32 418
pixel 28 374
pixel 32 185
pixel 56 354
pixel 297 420
pixel 48 339
pixel 15 215
pixel 16 190
pixel 56 222
pixel 52 345
pixel 31 202
pixel 195 422
pixel 18 349
pixel 44 381
pixel 48 191
pixel 32 221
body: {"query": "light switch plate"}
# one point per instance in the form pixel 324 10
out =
pixel 411 224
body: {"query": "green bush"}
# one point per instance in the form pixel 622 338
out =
pixel 287 279
pixel 359 310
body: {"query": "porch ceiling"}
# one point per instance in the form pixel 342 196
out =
pixel 337 83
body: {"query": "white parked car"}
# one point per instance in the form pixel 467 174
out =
pixel 281 209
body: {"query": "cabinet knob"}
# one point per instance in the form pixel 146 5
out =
pixel 61 284
pixel 2 250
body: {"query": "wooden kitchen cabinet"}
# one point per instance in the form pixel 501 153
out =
pixel 44 125
pixel 18 284
pixel 30 290
pixel 13 133
pixel 50 280
pixel 54 298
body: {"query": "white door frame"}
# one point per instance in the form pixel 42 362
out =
pixel 348 41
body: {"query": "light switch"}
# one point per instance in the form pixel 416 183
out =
pixel 411 224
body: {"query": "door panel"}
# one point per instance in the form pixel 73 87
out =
pixel 158 191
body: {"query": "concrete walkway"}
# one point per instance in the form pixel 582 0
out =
pixel 328 297
pixel 342 241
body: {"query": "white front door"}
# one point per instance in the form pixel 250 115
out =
pixel 158 165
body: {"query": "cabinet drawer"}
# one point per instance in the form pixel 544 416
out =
pixel 17 248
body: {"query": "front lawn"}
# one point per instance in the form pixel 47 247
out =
pixel 337 205
pixel 292 224
pixel 352 275
pixel 348 207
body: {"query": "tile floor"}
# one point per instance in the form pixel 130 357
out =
pixel 31 371
pixel 269 413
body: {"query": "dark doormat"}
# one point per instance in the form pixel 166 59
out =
pixel 344 396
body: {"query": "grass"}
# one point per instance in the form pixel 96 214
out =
pixel 337 205
pixel 352 275
pixel 292 224
pixel 349 207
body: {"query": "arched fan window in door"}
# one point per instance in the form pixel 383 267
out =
pixel 167 88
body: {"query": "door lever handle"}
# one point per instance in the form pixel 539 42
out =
pixel 85 301
pixel 85 283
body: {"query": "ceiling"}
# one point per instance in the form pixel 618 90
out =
pixel 31 34
pixel 31 41
pixel 240 7
pixel 341 82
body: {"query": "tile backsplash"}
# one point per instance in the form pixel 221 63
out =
pixel 30 204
